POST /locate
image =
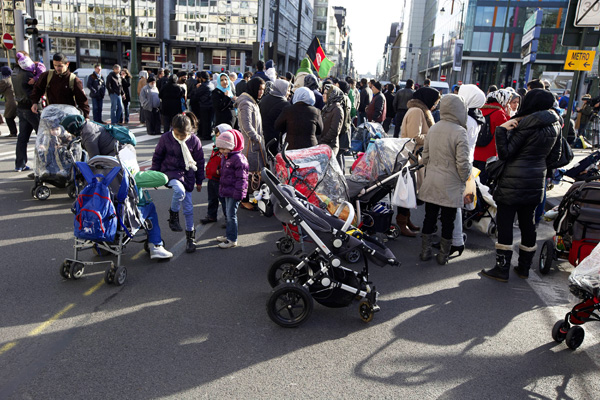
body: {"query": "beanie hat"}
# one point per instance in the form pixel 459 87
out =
pixel 151 78
pixel 377 85
pixel 73 124
pixel 225 141
pixel 6 71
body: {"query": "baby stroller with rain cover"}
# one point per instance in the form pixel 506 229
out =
pixel 124 197
pixel 584 283
pixel 56 152
pixel 577 226
pixel 319 275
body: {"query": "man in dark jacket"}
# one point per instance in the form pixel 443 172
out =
pixel 161 81
pixel 400 105
pixel 28 120
pixel 116 92
pixel 389 106
pixel 97 87
pixel 376 110
pixel 366 95
pixel 242 85
pixel 260 71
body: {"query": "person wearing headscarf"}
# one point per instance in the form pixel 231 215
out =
pixel 494 112
pixel 513 103
pixel 333 117
pixel 301 122
pixel 250 123
pixel 10 105
pixel 301 73
pixel 270 70
pixel 201 105
pixel 415 125
pixel 223 100
pixel 310 81
pixel 527 144
pixel 271 107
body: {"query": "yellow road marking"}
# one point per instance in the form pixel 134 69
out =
pixel 49 322
pixel 7 347
pixel 94 288
pixel 138 255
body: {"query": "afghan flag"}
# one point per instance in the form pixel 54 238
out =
pixel 319 59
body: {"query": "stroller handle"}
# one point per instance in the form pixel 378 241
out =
pixel 350 218
pixel 288 163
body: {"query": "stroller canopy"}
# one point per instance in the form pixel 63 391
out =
pixel 384 157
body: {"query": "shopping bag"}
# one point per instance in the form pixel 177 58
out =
pixel 404 195
pixel 470 193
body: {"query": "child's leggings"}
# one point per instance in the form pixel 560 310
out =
pixel 181 197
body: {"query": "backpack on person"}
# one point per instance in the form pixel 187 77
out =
pixel 121 133
pixel 485 135
pixel 95 215
pixel 72 78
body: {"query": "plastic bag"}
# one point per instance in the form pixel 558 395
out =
pixel 470 193
pixel 587 274
pixel 404 194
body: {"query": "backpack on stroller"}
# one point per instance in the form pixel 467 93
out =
pixel 56 152
pixel 577 226
pixel 319 275
pixel 366 134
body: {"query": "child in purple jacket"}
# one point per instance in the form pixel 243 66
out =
pixel 234 182
pixel 179 155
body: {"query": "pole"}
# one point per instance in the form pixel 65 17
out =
pixel 134 63
pixel 441 59
pixel 498 66
pixel 574 89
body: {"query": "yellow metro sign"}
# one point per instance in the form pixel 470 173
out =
pixel 580 60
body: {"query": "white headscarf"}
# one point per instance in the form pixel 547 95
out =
pixel 187 156
pixel 304 95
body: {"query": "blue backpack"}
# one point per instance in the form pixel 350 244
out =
pixel 95 215
pixel 120 133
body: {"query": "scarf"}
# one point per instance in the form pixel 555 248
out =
pixel 187 156
pixel 224 89
pixel 304 95
pixel 334 96
pixel 477 115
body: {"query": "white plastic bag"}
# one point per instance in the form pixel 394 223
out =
pixel 404 194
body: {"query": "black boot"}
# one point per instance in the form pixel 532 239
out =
pixel 442 256
pixel 501 270
pixel 525 259
pixel 190 244
pixel 174 221
pixel 425 247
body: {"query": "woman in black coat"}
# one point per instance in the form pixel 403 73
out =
pixel 171 96
pixel 301 121
pixel 201 105
pixel 271 107
pixel 527 144
pixel 126 82
pixel 223 101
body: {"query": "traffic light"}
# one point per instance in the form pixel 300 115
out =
pixel 127 56
pixel 29 26
pixel 41 43
pixel 410 48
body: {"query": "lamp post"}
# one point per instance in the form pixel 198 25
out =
pixel 502 44
pixel 462 10
pixel 441 58
pixel 133 68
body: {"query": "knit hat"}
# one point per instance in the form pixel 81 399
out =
pixel 151 78
pixel 225 141
pixel 6 71
pixel 377 85
pixel 73 124
pixel 535 100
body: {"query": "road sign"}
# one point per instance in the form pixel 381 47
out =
pixel 588 14
pixel 579 60
pixel 572 34
pixel 529 58
pixel 531 35
pixel 531 47
pixel 8 41
pixel 534 20
pixel 443 78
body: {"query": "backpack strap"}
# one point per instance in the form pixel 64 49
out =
pixel 111 176
pixel 86 171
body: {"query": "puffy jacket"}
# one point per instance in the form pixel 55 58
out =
pixel 201 96
pixel 168 159
pixel 302 123
pixel 234 171
pixel 497 117
pixel 149 99
pixel 213 165
pixel 416 122
pixel 223 106
pixel 114 84
pixel 527 151
pixel 270 109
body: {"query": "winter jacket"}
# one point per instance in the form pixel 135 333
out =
pixel 250 123
pixel 377 108
pixel 149 99
pixel 354 97
pixel 527 151
pixel 58 92
pixel 96 140
pixel 333 120
pixel 402 98
pixel 270 109
pixel 416 122
pixel 114 83
pixel 234 171
pixel 162 82
pixel 10 105
pixel 96 85
pixel 22 88
pixel 497 117
pixel 201 96
pixel 302 123
pixel 241 87
pixel 261 74
pixel 345 133
pixel 389 105
pixel 171 96
pixel 213 165
pixel 168 159
pixel 586 112
pixel 366 95
pixel 446 156
pixel 223 106
pixel 126 83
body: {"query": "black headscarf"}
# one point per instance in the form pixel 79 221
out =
pixel 429 96
pixel 344 87
pixel 310 81
pixel 535 100
pixel 254 86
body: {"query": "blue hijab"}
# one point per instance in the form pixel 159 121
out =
pixel 221 88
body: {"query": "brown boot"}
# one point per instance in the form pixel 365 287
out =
pixel 410 225
pixel 404 231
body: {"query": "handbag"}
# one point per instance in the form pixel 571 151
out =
pixel 404 194
pixel 566 155
pixel 494 168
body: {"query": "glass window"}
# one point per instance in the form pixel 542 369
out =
pixel 481 41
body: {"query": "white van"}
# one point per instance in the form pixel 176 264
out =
pixel 83 73
pixel 441 86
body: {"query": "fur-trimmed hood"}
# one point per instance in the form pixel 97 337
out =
pixel 416 103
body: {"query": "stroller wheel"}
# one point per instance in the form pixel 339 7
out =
pixel 575 337
pixel 289 305
pixel 393 232
pixel 366 311
pixel 72 191
pixel 76 270
pixel 120 276
pixel 285 245
pixel 546 257
pixel 468 224
pixel 492 229
pixel 109 275
pixel 42 192
pixel 65 269
pixel 465 238
pixel 284 270
pixel 353 256
pixel 559 331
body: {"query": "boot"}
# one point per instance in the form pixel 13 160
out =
pixel 190 244
pixel 174 221
pixel 425 247
pixel 525 258
pixel 501 270
pixel 401 220
pixel 442 256
pixel 410 225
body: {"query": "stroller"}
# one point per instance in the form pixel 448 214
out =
pixel 577 226
pixel 581 171
pixel 124 196
pixel 56 152
pixel 483 217
pixel 584 283
pixel 366 134
pixel 320 274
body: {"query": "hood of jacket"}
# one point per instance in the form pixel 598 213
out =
pixel 416 103
pixel 474 97
pixel 310 81
pixel 454 109
pixel 244 98
pixel 539 119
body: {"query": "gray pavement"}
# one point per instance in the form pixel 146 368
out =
pixel 196 327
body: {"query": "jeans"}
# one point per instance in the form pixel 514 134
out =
pixel 231 206
pixel 457 233
pixel 28 121
pixel 152 119
pixel 181 197
pixel 505 217
pixel 125 117
pixel 398 118
pixel 213 199
pixel 116 108
pixel 97 109
pixel 12 126
pixel 540 209
pixel 149 214
pixel 431 217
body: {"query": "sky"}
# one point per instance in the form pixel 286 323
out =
pixel 369 22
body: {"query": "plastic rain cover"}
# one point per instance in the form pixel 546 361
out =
pixel 365 134
pixel 383 157
pixel 587 274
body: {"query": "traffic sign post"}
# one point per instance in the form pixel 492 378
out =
pixel 587 14
pixel 443 78
pixel 529 43
pixel 7 40
pixel 579 60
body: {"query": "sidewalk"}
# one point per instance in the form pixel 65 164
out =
pixel 554 196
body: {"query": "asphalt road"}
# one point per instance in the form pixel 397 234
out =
pixel 197 327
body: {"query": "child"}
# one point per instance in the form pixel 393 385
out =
pixel 213 175
pixel 27 64
pixel 179 155
pixel 234 182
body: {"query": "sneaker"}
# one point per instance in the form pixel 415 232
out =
pixel 159 252
pixel 25 168
pixel 221 239
pixel 227 244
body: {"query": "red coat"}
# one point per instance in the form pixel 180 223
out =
pixel 213 165
pixel 497 117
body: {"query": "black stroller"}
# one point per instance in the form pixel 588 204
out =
pixel 319 275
